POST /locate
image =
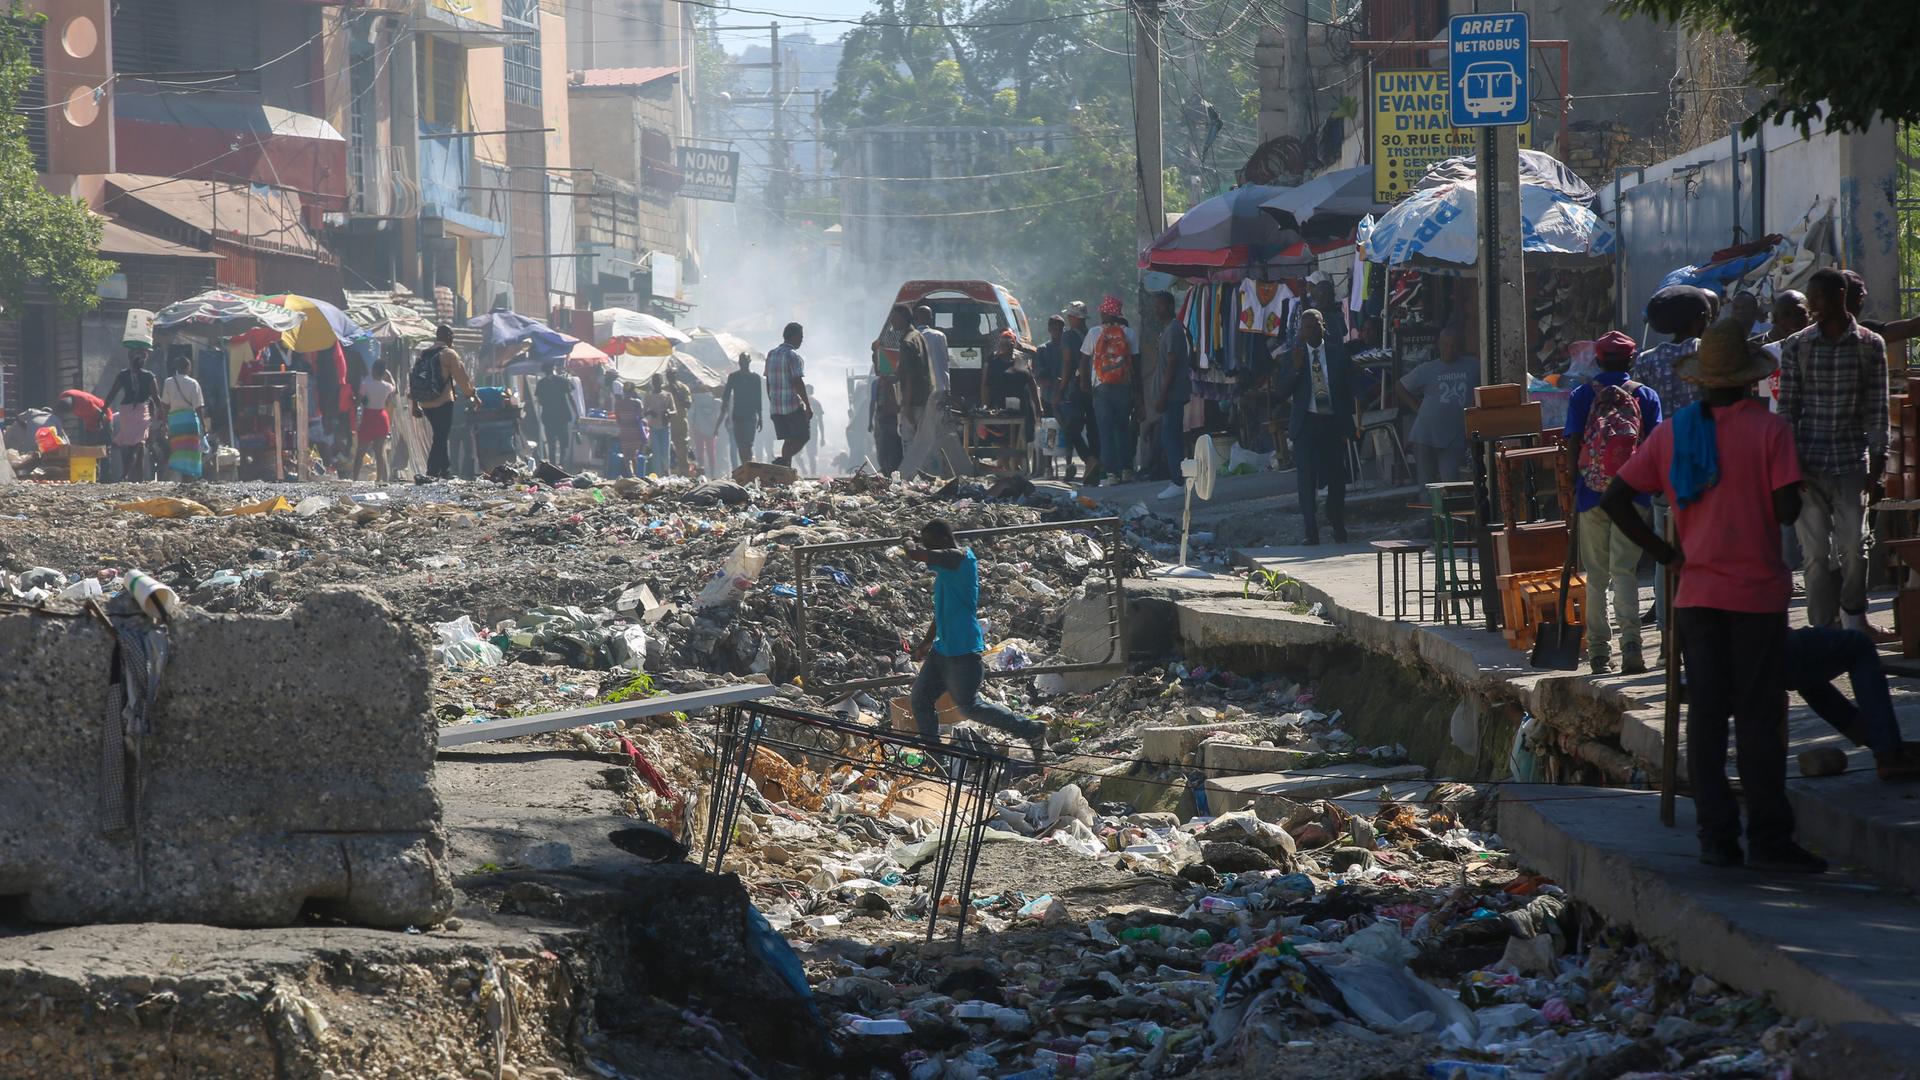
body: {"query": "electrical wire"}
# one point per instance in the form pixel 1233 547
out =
pixel 962 213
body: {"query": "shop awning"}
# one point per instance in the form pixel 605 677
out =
pixel 178 134
pixel 117 238
pixel 262 219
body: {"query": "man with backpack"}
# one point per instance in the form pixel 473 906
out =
pixel 437 373
pixel 1607 420
pixel 1113 353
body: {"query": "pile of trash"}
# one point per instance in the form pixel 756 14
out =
pixel 1407 937
pixel 553 567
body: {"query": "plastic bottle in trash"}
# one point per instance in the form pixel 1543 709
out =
pixel 1142 933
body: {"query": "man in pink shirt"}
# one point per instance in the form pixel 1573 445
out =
pixel 1729 468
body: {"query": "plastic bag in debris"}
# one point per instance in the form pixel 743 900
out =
pixel 312 505
pixel 276 505
pixel 1246 826
pixel 1523 761
pixel 735 578
pixel 81 591
pixel 1067 804
pixel 1391 999
pixel 462 646
pixel 627 647
pixel 1238 457
pixel 1382 942
pixel 1464 726
pixel 162 507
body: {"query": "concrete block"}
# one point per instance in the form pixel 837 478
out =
pixel 1324 783
pixel 1817 945
pixel 1233 622
pixel 1225 794
pixel 290 762
pixel 1173 745
pixel 1219 757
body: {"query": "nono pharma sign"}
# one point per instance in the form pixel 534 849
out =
pixel 707 174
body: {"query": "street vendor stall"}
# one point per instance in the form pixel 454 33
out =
pixel 272 441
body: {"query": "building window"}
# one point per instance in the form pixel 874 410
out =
pixel 522 17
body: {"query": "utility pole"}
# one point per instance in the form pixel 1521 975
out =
pixel 1503 295
pixel 1146 118
pixel 1151 167
pixel 777 183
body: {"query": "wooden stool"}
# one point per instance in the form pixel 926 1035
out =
pixel 1400 549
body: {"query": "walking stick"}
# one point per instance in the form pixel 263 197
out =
pixel 1670 741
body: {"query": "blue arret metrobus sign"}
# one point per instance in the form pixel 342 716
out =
pixel 1487 84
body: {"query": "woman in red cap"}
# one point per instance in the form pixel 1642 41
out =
pixel 1607 419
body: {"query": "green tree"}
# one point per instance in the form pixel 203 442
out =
pixel 1055 224
pixel 1844 61
pixel 47 242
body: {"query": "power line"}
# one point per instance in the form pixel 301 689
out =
pixel 904 25
pixel 962 213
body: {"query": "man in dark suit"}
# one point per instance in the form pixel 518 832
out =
pixel 1317 377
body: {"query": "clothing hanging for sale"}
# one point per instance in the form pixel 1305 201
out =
pixel 1261 304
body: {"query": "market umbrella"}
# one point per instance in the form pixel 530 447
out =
pixel 1227 233
pixel 719 350
pixel 1439 227
pixel 636 332
pixel 1344 193
pixel 224 315
pixel 323 327
pixel 391 322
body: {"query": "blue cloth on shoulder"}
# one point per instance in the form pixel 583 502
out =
pixel 1696 457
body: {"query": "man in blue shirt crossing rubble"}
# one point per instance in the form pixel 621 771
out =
pixel 950 652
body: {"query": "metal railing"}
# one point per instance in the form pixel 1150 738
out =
pixel 967 778
pixel 1111 544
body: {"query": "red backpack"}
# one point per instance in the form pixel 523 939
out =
pixel 1612 434
pixel 1112 356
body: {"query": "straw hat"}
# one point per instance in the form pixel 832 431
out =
pixel 1725 358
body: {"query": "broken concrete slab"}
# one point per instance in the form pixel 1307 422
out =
pixel 265 785
pixel 1233 622
pixel 1326 783
pixel 1219 757
pixel 1173 745
pixel 1825 946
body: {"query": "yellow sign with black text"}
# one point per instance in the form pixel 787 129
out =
pixel 1411 130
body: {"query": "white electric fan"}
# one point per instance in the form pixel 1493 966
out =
pixel 1200 470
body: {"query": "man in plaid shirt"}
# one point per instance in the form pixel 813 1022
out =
pixel 787 395
pixel 1833 390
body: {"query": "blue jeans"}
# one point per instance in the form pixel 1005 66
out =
pixel 1113 410
pixel 661 457
pixel 960 677
pixel 1173 437
pixel 1817 655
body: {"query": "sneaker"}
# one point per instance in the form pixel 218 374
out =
pixel 1786 858
pixel 1723 856
pixel 1172 491
pixel 1901 765
pixel 1600 665
pixel 1632 663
